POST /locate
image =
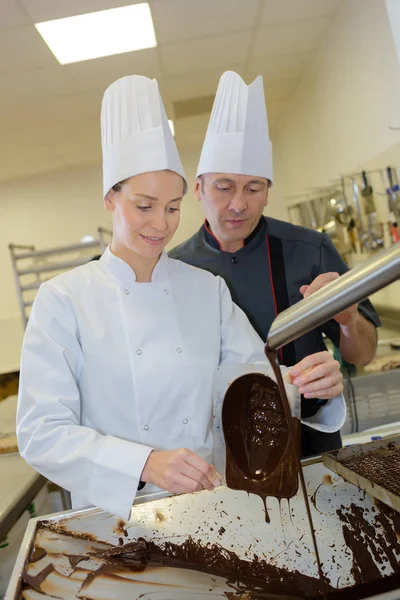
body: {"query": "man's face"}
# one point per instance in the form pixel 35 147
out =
pixel 232 204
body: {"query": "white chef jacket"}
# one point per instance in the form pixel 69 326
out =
pixel 112 369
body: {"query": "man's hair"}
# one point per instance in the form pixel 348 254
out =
pixel 201 182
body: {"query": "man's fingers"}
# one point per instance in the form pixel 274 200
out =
pixel 309 361
pixel 327 393
pixel 316 386
pixel 319 282
pixel 317 372
pixel 303 289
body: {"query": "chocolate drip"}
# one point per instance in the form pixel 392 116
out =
pixel 273 359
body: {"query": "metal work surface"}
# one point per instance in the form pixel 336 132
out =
pixel 236 521
pixel 19 485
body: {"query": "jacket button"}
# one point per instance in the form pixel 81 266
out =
pixel 179 350
pixel 146 427
pixel 234 260
pixel 139 352
pixel 185 421
pixel 126 292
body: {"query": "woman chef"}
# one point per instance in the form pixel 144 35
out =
pixel 119 354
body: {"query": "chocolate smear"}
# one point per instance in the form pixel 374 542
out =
pixel 257 577
pixel 367 541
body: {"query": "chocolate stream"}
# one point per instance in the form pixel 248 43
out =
pixel 272 356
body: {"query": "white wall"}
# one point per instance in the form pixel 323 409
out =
pixel 393 9
pixel 339 116
pixel 60 208
pixel 338 120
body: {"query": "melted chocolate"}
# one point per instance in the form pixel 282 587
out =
pixel 273 359
pixel 37 554
pixel 367 541
pixel 262 442
pixel 35 581
pixel 259 458
pixel 258 578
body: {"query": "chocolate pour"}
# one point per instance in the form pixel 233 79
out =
pixel 273 359
pixel 263 441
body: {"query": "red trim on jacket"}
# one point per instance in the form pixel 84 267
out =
pixel 212 235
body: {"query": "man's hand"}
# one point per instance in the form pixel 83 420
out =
pixel 318 376
pixel 180 471
pixel 344 318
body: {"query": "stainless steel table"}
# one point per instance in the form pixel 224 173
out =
pixel 19 484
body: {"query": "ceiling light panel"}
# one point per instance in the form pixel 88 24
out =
pixel 98 34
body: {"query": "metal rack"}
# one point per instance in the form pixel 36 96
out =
pixel 359 218
pixel 32 267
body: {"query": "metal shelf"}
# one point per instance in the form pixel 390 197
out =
pixel 30 253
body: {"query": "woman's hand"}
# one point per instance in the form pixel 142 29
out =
pixel 318 376
pixel 179 471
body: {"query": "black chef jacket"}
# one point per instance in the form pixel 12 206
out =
pixel 264 278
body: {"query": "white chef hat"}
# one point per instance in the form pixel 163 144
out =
pixel 135 133
pixel 237 139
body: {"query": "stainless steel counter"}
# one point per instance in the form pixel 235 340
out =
pixel 19 484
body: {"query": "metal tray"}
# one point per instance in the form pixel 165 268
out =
pixel 285 542
pixel 335 460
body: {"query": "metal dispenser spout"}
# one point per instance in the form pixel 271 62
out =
pixel 350 288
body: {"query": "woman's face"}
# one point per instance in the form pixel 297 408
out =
pixel 146 211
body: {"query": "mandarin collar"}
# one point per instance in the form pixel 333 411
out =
pixel 249 243
pixel 124 272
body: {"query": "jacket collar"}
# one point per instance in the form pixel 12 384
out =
pixel 251 241
pixel 122 271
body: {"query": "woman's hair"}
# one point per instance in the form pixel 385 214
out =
pixel 118 186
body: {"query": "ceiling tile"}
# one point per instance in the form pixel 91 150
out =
pixel 22 48
pixel 37 86
pixel 290 38
pixel 98 74
pixel 45 10
pixel 205 53
pixel 274 12
pixel 11 15
pixel 177 20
